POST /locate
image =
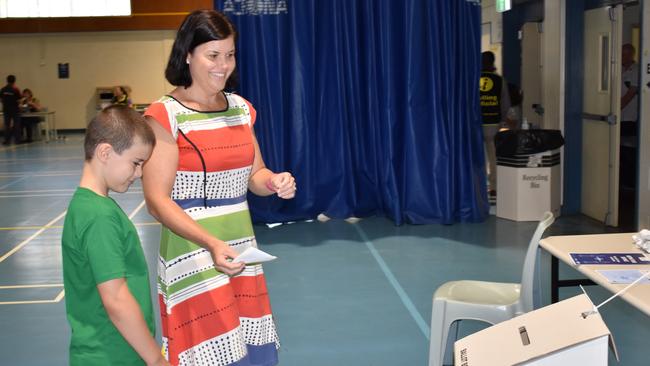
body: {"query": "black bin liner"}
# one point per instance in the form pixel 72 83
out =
pixel 527 142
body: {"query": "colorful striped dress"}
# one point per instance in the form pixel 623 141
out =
pixel 209 318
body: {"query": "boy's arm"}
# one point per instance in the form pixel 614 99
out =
pixel 124 312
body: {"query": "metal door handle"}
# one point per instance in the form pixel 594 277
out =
pixel 610 119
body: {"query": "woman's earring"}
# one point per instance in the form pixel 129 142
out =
pixel 187 61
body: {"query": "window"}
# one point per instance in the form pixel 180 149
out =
pixel 63 8
pixel 604 63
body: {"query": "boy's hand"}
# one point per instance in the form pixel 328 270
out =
pixel 284 185
pixel 159 362
pixel 125 313
pixel 221 252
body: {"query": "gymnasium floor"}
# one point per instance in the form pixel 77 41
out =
pixel 343 294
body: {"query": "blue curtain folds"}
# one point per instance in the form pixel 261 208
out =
pixel 371 104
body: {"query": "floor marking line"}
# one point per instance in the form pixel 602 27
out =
pixel 22 146
pixel 41 175
pixel 406 300
pixel 28 302
pixel 135 212
pixel 59 297
pixel 26 241
pixel 29 172
pixel 16 228
pixel 39 191
pixel 30 286
pixel 64 158
pixel 14 182
pixel 35 195
pixel 6 173
pixel 51 194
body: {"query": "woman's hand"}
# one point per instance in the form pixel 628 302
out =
pixel 283 184
pixel 221 253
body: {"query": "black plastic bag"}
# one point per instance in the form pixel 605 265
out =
pixel 527 142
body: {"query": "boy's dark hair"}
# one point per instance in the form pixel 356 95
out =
pixel 199 27
pixel 117 125
pixel 11 79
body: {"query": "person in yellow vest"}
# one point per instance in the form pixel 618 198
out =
pixel 495 102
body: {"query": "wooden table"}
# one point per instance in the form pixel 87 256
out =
pixel 560 247
pixel 49 118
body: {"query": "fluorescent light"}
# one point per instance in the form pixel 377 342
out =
pixel 63 8
pixel 503 5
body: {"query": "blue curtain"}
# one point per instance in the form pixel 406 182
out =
pixel 371 104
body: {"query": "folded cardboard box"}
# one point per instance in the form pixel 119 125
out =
pixel 556 335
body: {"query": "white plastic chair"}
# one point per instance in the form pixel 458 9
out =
pixel 490 302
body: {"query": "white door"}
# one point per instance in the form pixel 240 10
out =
pixel 601 113
pixel 531 73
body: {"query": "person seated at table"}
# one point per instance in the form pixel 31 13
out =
pixel 121 96
pixel 29 104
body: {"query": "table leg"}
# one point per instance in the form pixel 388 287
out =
pixel 555 290
pixel 556 282
pixel 56 134
pixel 47 128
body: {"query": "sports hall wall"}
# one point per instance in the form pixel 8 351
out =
pixel 96 59
pixel 101 52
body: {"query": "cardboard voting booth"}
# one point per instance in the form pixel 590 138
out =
pixel 556 335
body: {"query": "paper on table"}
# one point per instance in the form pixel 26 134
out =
pixel 253 255
pixel 622 276
pixel 609 258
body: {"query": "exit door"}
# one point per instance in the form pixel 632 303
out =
pixel 601 113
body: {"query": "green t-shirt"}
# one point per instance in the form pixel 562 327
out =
pixel 99 244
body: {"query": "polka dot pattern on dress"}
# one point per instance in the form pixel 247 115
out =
pixel 220 185
pixel 220 351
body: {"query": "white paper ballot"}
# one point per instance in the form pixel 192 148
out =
pixel 623 276
pixel 253 255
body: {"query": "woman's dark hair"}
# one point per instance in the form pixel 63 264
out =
pixel 199 27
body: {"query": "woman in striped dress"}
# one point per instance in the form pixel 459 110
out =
pixel 214 312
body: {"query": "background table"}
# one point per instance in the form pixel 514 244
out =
pixel 49 118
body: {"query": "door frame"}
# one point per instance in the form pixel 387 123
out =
pixel 643 190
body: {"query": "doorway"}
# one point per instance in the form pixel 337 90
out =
pixel 610 128
pixel 629 148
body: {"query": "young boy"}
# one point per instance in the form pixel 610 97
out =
pixel 108 300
